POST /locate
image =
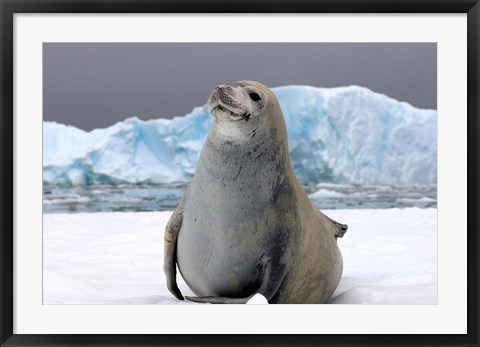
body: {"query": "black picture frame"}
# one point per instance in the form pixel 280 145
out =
pixel 10 7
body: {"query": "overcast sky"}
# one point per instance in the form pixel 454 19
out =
pixel 93 85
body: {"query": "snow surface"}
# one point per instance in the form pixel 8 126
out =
pixel 339 135
pixel 390 257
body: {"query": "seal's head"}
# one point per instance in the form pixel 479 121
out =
pixel 242 107
pixel 239 101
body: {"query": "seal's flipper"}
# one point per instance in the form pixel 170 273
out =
pixel 218 299
pixel 340 229
pixel 170 246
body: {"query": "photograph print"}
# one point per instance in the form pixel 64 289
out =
pixel 233 173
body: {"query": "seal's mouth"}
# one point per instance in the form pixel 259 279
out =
pixel 230 113
pixel 226 110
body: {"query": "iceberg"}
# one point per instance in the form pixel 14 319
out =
pixel 346 135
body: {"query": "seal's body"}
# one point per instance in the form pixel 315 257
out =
pixel 245 225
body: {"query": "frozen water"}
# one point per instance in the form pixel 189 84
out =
pixel 390 257
pixel 340 135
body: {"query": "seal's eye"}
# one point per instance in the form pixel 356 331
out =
pixel 254 96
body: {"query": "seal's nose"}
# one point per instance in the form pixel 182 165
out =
pixel 223 87
pixel 220 89
pixel 223 90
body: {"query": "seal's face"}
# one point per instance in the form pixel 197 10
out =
pixel 237 102
pixel 243 109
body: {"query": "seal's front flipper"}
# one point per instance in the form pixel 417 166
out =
pixel 218 299
pixel 170 246
pixel 340 229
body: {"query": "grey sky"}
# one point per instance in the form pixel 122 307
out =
pixel 92 85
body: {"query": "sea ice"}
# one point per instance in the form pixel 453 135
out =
pixel 390 257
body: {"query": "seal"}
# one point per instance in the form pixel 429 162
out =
pixel 245 225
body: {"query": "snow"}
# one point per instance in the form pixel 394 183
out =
pixel 348 135
pixel 258 299
pixel 390 257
